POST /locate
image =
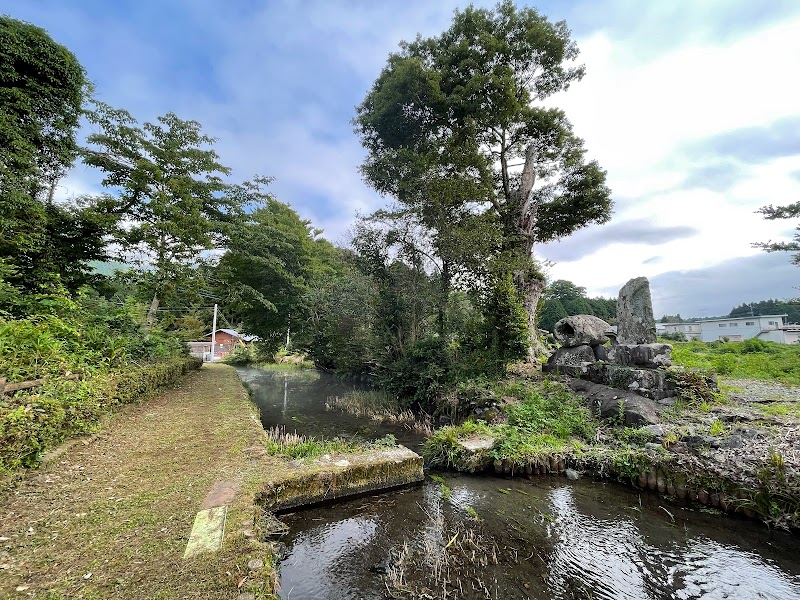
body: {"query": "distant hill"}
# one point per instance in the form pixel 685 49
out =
pixel 108 268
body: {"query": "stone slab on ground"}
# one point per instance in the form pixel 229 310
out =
pixel 473 454
pixel 207 531
pixel 342 476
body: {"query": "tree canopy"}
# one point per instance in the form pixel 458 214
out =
pixel 170 193
pixel 42 89
pixel 451 118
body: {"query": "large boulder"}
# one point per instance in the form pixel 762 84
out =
pixel 579 330
pixel 651 356
pixel 610 403
pixel 572 356
pixel 636 324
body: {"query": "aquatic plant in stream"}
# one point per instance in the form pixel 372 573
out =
pixel 280 442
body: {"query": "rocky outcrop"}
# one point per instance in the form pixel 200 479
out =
pixel 611 403
pixel 635 322
pixel 634 363
pixel 651 356
pixel 579 330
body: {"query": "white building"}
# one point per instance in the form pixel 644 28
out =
pixel 770 328
pixel 690 330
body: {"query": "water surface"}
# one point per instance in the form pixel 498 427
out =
pixel 545 538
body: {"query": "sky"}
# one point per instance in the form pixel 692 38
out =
pixel 691 106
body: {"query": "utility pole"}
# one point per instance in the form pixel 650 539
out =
pixel 214 333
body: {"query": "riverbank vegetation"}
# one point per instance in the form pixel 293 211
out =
pixel 726 454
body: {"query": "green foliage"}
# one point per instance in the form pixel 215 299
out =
pixel 755 345
pixel 442 449
pixel 103 342
pixel 677 336
pixel 447 117
pixel 270 266
pixel 551 312
pixel 420 375
pixel 549 408
pixel 692 387
pixel 563 298
pixel 42 88
pixel 169 191
pixel 242 355
pixel 788 211
pixel 36 421
pixel 505 321
pixel 544 419
pixel 770 307
pixel 300 447
pixel 757 360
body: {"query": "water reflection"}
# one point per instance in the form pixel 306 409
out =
pixel 552 538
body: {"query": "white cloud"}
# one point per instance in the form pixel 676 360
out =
pixel 639 116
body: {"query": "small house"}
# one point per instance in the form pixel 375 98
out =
pixel 225 341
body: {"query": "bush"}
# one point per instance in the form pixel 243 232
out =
pixel 34 421
pixel 106 343
pixel 419 377
pixel 755 345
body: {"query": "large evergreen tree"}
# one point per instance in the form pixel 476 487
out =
pixel 462 107
pixel 42 89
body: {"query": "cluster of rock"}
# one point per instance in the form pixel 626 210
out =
pixel 634 362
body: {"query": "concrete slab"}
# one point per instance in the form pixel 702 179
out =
pixel 343 476
pixel 207 531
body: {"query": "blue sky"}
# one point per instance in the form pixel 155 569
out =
pixel 691 106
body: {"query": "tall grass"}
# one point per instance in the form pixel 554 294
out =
pixel 751 359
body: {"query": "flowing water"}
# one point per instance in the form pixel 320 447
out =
pixel 545 538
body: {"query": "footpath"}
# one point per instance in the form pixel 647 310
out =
pixel 109 516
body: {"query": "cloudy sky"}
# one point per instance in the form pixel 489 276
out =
pixel 690 105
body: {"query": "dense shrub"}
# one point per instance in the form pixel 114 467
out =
pixel 118 362
pixel 418 377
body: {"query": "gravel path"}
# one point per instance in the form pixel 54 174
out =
pixel 750 390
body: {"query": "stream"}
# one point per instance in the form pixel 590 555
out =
pixel 490 537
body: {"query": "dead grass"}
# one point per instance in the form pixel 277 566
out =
pixel 110 516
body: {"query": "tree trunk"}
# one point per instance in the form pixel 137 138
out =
pixel 151 313
pixel 533 291
pixel 530 282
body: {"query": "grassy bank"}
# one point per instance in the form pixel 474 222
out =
pixel 712 451
pixel 110 517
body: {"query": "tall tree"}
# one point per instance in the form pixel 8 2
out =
pixel 270 264
pixel 42 89
pixel 461 106
pixel 171 197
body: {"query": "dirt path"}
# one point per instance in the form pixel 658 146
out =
pixel 110 516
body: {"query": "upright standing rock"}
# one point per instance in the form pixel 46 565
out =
pixel 636 324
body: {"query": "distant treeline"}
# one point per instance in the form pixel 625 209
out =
pixel 764 307
pixel 563 298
